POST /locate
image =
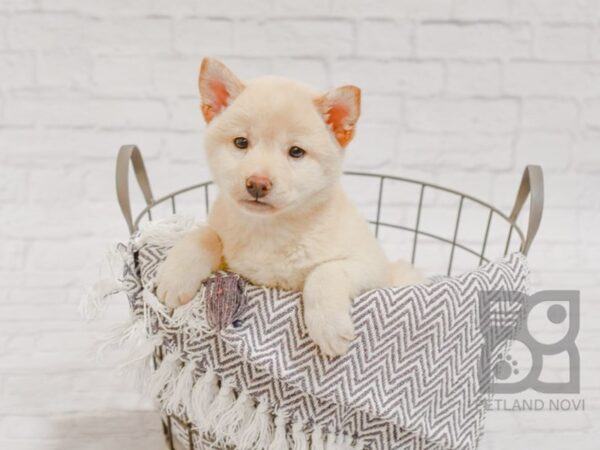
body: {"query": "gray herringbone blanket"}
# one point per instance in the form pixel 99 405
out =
pixel 415 377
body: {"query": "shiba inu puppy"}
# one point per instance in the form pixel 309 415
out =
pixel 275 149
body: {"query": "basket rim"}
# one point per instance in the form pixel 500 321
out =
pixel 165 197
pixel 147 209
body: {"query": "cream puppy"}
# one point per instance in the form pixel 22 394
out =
pixel 275 149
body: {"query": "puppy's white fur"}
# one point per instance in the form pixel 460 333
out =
pixel 306 234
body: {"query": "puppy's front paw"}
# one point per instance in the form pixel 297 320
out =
pixel 330 327
pixel 179 278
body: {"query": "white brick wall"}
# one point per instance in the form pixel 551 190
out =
pixel 460 92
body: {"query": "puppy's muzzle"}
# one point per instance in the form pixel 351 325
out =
pixel 258 186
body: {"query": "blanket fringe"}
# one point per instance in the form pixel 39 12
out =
pixel 94 301
pixel 163 376
pixel 204 393
pixel 331 442
pixel 259 430
pixel 299 436
pixel 280 439
pixel 128 337
pixel 223 402
pixel 236 419
pixel 177 394
pixel 316 439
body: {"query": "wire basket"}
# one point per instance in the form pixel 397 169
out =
pixel 440 230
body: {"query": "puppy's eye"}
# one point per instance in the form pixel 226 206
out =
pixel 296 152
pixel 240 142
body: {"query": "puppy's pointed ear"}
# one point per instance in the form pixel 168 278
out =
pixel 340 109
pixel 218 87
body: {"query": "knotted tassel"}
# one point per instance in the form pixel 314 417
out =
pixel 223 403
pixel 316 440
pixel 129 336
pixel 345 441
pixel 258 433
pixel 331 443
pixel 95 300
pixel 299 436
pixel 163 375
pixel 203 395
pixel 280 440
pixel 232 422
pixel 177 398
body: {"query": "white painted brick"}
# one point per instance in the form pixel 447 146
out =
pixel 36 31
pixel 305 8
pixel 563 42
pixel 405 77
pixel 410 8
pixel 52 256
pixel 590 220
pixel 17 69
pixel 549 114
pixel 468 78
pixel 295 37
pixel 476 9
pixel 431 151
pixel 186 114
pixel 16 5
pixel 546 256
pixel 586 153
pixel 249 68
pixel 70 68
pixel 131 35
pixel 310 71
pixel 552 151
pixel 57 187
pixel 104 144
pixel 595 44
pixel 381 108
pixel 494 116
pixel 3 36
pixel 571 190
pixel 372 147
pixel 552 79
pixel 55 108
pixel 126 75
pixel 560 226
pixel 384 38
pixel 486 40
pixel 123 113
pixel 203 36
pixel 591 113
pixel 13 184
pixel 577 10
pixel 175 75
pixel 93 7
pixel 218 9
pixel 12 256
pixel 185 147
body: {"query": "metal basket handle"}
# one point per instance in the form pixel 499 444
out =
pixel 532 185
pixel 126 154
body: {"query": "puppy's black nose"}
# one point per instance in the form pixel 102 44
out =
pixel 258 186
